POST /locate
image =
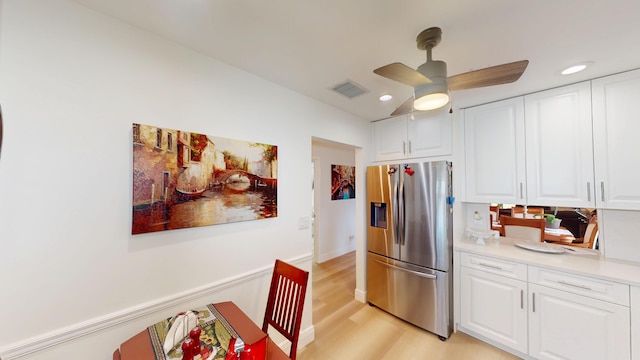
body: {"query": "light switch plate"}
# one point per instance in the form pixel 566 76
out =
pixel 303 223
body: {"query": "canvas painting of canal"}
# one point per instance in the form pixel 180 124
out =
pixel 343 182
pixel 184 179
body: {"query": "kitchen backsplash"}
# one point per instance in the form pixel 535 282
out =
pixel 621 235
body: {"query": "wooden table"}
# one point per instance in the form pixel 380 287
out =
pixel 561 235
pixel 139 346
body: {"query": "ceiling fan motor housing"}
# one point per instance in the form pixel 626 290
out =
pixel 436 71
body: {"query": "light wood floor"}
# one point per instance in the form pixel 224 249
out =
pixel 348 329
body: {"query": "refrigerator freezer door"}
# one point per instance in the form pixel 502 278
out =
pixel 427 229
pixel 382 214
pixel 415 294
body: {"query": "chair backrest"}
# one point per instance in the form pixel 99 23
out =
pixel 518 211
pixel 493 214
pixel 529 229
pixel 285 302
pixel 591 233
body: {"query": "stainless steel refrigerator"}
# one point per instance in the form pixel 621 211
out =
pixel 409 243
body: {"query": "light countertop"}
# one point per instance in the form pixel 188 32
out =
pixel 596 266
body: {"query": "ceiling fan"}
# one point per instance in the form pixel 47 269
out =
pixel 430 83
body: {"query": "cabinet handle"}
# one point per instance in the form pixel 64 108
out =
pixel 588 191
pixel 404 147
pixel 580 286
pixel 521 195
pixel 602 190
pixel 491 266
pixel 410 150
pixel 533 302
pixel 521 299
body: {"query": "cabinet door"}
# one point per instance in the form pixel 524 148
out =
pixel 568 326
pixel 390 138
pixel 494 150
pixel 430 134
pixel 616 126
pixel 635 322
pixel 494 306
pixel 559 147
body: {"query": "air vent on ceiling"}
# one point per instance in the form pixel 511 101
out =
pixel 349 89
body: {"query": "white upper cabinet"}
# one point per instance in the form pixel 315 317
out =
pixel 390 138
pixel 616 126
pixel 495 152
pixel 559 150
pixel 400 138
pixel 430 133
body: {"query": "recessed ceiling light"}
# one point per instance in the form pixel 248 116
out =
pixel 575 68
pixel 386 97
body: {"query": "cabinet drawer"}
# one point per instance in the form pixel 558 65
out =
pixel 594 288
pixel 496 266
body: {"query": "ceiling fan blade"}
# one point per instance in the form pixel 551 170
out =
pixel 405 108
pixel 494 75
pixel 402 73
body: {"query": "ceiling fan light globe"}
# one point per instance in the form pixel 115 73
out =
pixel 431 101
pixel 431 96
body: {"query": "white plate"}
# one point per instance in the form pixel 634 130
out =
pixel 541 247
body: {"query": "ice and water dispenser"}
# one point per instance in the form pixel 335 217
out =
pixel 379 215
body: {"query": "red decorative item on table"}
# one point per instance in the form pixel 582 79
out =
pixel 194 334
pixel 256 351
pixel 187 349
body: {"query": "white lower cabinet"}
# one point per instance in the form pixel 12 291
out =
pixel 547 314
pixel 635 323
pixel 494 306
pixel 563 325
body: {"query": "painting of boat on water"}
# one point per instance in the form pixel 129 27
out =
pixel 185 179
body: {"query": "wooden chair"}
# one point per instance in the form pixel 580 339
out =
pixel 493 213
pixel 285 302
pixel 529 229
pixel 518 211
pixel 590 239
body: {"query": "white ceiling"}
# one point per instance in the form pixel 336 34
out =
pixel 311 46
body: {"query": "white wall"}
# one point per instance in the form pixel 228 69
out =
pixel 335 219
pixel 72 82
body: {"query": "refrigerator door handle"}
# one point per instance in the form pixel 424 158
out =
pixel 395 214
pixel 428 276
pixel 401 209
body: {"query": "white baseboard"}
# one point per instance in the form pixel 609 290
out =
pixel 361 296
pixel 306 336
pixel 76 331
pixel 333 254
